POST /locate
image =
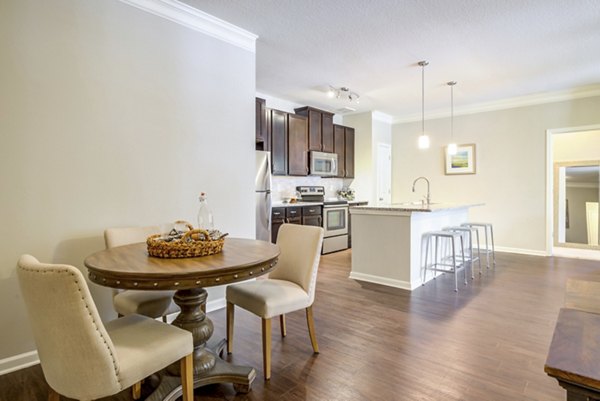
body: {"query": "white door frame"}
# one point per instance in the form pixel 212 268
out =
pixel 550 184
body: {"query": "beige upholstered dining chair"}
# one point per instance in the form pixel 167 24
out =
pixel 153 304
pixel 80 356
pixel 290 287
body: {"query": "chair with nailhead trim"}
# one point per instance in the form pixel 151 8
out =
pixel 81 357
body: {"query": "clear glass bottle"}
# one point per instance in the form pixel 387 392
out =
pixel 205 216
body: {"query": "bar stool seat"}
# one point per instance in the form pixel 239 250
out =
pixel 487 229
pixel 468 233
pixel 446 258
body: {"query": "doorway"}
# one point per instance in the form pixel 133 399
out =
pixel 573 194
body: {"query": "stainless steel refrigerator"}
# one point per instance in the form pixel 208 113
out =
pixel 263 196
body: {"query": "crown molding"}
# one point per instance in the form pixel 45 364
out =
pixel 192 18
pixel 522 101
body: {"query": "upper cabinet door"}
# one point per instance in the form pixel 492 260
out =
pixel 339 147
pixel 297 145
pixel 327 132
pixel 262 138
pixel 314 130
pixel 279 145
pixel 349 138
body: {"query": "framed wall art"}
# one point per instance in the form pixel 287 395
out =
pixel 463 162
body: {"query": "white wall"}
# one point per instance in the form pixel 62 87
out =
pixel 371 128
pixel 111 116
pixel 511 165
pixel 576 146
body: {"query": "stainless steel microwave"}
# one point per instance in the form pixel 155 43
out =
pixel 323 164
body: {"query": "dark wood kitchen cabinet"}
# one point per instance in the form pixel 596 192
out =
pixel 277 219
pixel 303 215
pixel 312 216
pixel 339 147
pixel 297 145
pixel 262 137
pixel 320 128
pixel 279 142
pixel 349 152
pixel 343 146
pixel 293 215
pixel 327 132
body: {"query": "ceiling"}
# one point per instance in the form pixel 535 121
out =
pixel 495 49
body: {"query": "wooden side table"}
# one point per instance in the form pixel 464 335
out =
pixel 574 355
pixel 130 267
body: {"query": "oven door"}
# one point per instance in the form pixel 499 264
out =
pixel 335 220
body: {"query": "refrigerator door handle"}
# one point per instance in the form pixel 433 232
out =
pixel 268 207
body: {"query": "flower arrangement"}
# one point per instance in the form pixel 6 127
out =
pixel 346 193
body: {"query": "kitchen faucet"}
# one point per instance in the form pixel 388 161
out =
pixel 428 197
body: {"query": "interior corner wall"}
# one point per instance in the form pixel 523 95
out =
pixel 111 116
pixel 510 161
pixel 364 166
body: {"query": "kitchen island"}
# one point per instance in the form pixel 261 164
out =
pixel 386 239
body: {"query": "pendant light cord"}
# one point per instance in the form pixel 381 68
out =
pixel 451 113
pixel 423 98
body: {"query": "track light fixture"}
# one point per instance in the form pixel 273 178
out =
pixel 343 93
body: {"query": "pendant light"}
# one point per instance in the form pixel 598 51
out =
pixel 423 139
pixel 452 147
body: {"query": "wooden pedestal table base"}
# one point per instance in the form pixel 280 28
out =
pixel 130 267
pixel 209 368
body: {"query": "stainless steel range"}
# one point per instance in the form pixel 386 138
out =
pixel 335 218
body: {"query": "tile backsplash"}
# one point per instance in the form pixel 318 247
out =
pixel 285 186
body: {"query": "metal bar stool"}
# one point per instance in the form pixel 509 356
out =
pixel 470 257
pixel 487 227
pixel 438 242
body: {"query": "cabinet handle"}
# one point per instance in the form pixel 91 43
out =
pixel 311 210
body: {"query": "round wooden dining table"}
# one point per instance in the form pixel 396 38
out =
pixel 130 267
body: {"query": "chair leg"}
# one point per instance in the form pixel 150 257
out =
pixel 136 390
pixel 282 325
pixel 187 377
pixel 311 329
pixel 230 314
pixel 266 340
pixel 53 395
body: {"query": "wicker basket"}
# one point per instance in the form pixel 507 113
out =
pixel 191 245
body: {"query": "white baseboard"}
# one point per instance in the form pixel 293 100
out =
pixel 521 251
pixel 17 362
pixel 405 285
pixel 576 253
pixel 27 359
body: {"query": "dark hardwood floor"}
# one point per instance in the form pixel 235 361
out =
pixel 486 342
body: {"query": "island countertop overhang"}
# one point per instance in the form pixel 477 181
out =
pixel 406 208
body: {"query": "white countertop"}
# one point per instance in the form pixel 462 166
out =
pixel 414 207
pixel 296 204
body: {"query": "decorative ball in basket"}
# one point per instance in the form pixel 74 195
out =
pixel 186 244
